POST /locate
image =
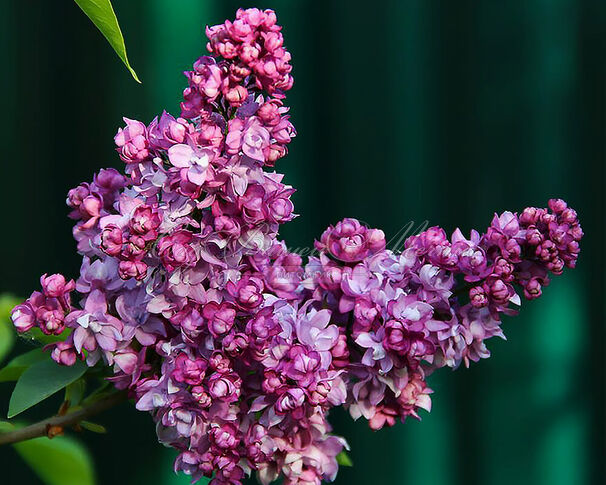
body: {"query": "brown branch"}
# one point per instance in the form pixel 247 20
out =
pixel 50 426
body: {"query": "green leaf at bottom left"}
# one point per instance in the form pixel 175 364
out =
pixel 7 331
pixel 60 461
pixel 40 381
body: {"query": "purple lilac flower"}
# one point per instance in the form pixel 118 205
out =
pixel 237 348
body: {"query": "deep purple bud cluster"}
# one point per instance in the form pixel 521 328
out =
pixel 237 348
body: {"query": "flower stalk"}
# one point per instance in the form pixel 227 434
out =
pixel 55 425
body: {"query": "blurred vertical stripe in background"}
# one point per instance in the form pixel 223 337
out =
pixel 406 111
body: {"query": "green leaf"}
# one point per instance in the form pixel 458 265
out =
pixel 16 367
pixel 103 16
pixel 40 381
pixel 7 303
pixel 36 335
pixel 60 461
pixel 7 331
pixel 94 427
pixel 74 392
pixel 5 426
pixel 344 459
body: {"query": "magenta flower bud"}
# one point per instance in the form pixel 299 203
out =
pixel 219 362
pixel 471 258
pixel 269 112
pixel 134 248
pixel 55 286
pixel 280 209
pixel 548 219
pixel 576 232
pixel 292 399
pixel 127 360
pixel 283 131
pixel 557 205
pixel 384 415
pixel 167 131
pixel 478 297
pixel 188 462
pixel 414 395
pixel 248 292
pixel 23 317
pixel 201 396
pixel 189 371
pixel 76 195
pixel 132 269
pixel 375 239
pixel 189 320
pixel 224 436
pixel 90 208
pixel 340 352
pixel 503 269
pixel 273 41
pixel 303 365
pixel 220 317
pixel 64 353
pixel 111 240
pixel 560 234
pixel 225 387
pixel 235 343
pixel 249 53
pixel 443 256
pixel 396 337
pixel 365 312
pixel 237 72
pixel 512 251
pixel 236 95
pixel 532 289
pixel 109 180
pixel 330 278
pixel 529 216
pixel 228 470
pixel 227 226
pixel 556 266
pixel 51 319
pixel 273 382
pixel 206 464
pixel 209 133
pixel 349 241
pixel 144 220
pixel 263 324
pixel 434 236
pixel 176 250
pixel 240 30
pixel 132 141
pixel 497 289
pixel 573 247
pixel 319 395
pixel 569 216
pixel 534 236
pixel 273 153
pixel 546 251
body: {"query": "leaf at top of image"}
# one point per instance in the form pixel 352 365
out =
pixel 40 381
pixel 102 14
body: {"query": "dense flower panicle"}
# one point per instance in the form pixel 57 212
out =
pixel 237 347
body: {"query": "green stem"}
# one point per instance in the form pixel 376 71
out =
pixel 43 427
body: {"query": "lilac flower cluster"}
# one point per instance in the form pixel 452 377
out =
pixel 194 306
pixel 435 303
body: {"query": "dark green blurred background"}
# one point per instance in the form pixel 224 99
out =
pixel 406 111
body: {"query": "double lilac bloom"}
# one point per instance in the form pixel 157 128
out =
pixel 238 349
